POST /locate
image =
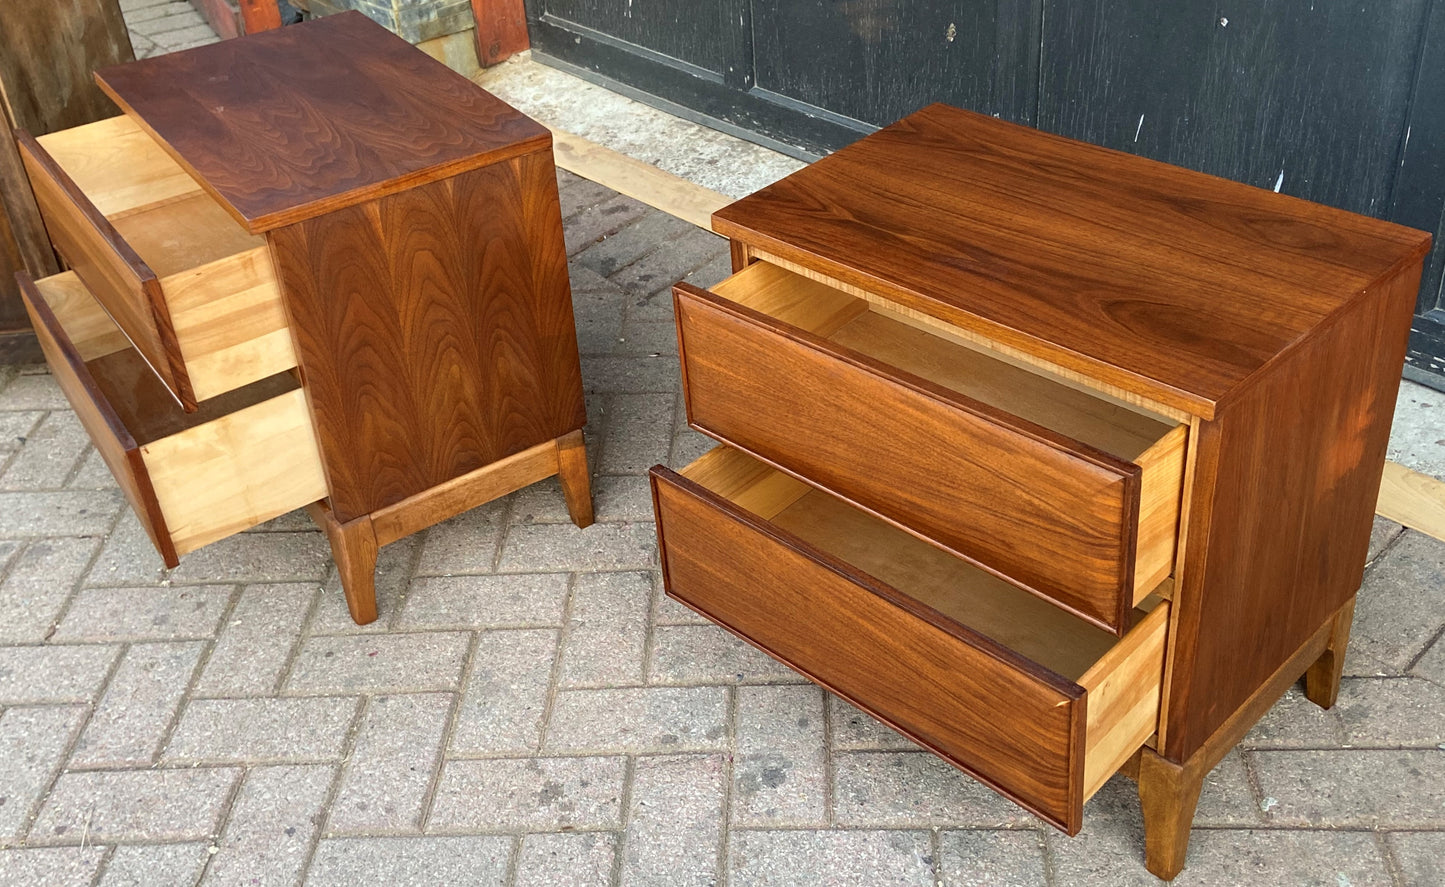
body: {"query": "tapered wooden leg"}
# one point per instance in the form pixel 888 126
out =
pixel 1322 680
pixel 353 547
pixel 576 481
pixel 1168 793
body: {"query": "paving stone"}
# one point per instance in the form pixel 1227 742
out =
pixel 667 611
pixel 577 193
pixel 269 832
pixel 466 543
pixel 33 742
pixel 263 729
pixel 129 558
pixel 49 454
pixel 1420 857
pixel 853 858
pixel 630 376
pixel 1228 858
pixel 15 428
pixel 650 277
pixel 714 272
pixel 38 585
pixel 992 859
pixel 1109 849
pixel 852 728
pixel 639 433
pixel 1431 665
pixel 647 338
pixel 532 794
pixel 155 865
pixel 599 548
pixel 1401 605
pixel 30 675
pixel 640 719
pixel 576 860
pixel 28 515
pixel 145 614
pixel 707 654
pixel 139 705
pixel 653 231
pixel 50 866
pixel 411 862
pixel 136 15
pixel 614 498
pixel 675 821
pixel 36 391
pixel 1382 533
pixel 591 224
pixel 606 634
pixel 93 474
pixel 393 577
pixel 898 789
pixel 780 769
pixel 1227 798
pixel 399 663
pixel 99 806
pixel 506 693
pixel 390 768
pixel 465 602
pixel 1396 713
pixel 1353 788
pixel 256 642
pixel 1295 722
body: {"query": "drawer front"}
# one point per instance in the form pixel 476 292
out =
pixel 208 319
pixel 1052 515
pixel 1013 725
pixel 245 458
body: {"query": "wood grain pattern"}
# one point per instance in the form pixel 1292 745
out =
pixel 1124 690
pixel 312 118
pixel 51 46
pixel 354 547
pixel 576 478
pixel 425 357
pixel 118 166
pixel 501 29
pixel 1413 499
pixel 1098 261
pixel 112 439
pixel 1284 494
pixel 963 697
pixel 1052 514
pixel 655 187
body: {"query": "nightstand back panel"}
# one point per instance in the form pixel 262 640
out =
pixel 434 330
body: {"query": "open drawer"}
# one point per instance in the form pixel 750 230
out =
pixel 1032 701
pixel 192 478
pixel 192 290
pixel 1070 495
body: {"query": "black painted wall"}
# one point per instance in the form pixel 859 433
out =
pixel 1333 101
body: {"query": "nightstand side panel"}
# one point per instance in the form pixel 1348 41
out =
pixel 1284 495
pixel 434 330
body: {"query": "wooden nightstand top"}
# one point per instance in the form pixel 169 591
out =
pixel 1171 284
pixel 289 124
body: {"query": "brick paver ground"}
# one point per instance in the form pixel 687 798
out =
pixel 529 709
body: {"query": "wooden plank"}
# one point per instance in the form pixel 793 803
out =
pixel 236 471
pixel 1413 499
pixel 1124 692
pixel 955 470
pixel 501 30
pixel 118 166
pixel 641 181
pixel 51 46
pixel 90 330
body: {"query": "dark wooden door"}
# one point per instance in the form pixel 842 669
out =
pixel 1341 103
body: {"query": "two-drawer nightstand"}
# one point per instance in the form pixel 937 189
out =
pixel 1061 461
pixel 311 267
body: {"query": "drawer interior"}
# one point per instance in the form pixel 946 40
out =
pixel 193 290
pixel 1154 443
pixel 1062 643
pixel 241 458
pixel 157 207
pixel 1122 677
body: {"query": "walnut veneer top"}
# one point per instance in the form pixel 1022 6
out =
pixel 1175 285
pixel 289 124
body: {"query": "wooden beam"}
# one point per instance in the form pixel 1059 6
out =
pixel 1406 497
pixel 501 30
pixel 657 188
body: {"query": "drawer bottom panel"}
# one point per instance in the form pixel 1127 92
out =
pixel 244 458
